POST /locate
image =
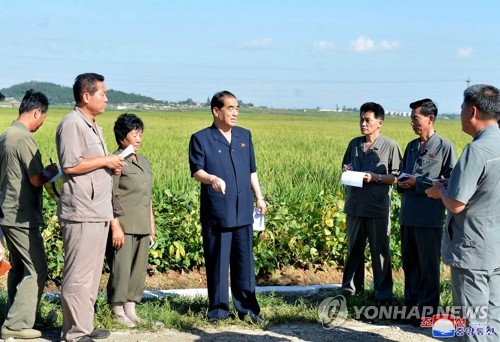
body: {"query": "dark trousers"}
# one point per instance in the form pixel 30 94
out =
pixel 377 230
pixel 421 253
pixel 226 248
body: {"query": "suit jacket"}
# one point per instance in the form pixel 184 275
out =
pixel 234 163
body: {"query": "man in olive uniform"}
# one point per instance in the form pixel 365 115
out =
pixel 21 178
pixel 471 239
pixel 85 206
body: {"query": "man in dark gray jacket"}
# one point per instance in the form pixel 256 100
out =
pixel 428 157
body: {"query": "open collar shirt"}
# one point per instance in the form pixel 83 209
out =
pixel 436 160
pixel 383 157
pixel 85 197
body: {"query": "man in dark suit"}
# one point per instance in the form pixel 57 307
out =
pixel 221 158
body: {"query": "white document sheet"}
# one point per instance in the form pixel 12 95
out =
pixel 127 152
pixel 353 178
pixel 258 220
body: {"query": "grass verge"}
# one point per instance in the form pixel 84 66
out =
pixel 186 313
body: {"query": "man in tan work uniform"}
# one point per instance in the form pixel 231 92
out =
pixel 85 206
pixel 21 178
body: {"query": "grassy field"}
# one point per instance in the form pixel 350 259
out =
pixel 299 165
pixel 298 154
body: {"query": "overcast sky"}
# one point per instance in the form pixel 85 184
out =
pixel 282 54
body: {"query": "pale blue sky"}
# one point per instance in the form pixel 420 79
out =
pixel 283 54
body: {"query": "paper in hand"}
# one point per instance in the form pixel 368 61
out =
pixel 353 178
pixel 127 152
pixel 258 220
pixel 404 176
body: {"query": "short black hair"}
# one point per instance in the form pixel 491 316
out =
pixel 218 99
pixel 125 124
pixel 486 98
pixel 2 97
pixel 378 110
pixel 428 107
pixel 86 83
pixel 34 100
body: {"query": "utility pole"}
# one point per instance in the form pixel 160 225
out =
pixel 468 81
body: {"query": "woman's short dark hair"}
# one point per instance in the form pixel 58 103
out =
pixel 125 124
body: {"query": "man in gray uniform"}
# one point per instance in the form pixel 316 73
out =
pixel 421 218
pixel 21 178
pixel 85 206
pixel 471 239
pixel 367 208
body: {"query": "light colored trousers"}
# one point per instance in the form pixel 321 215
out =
pixel 84 247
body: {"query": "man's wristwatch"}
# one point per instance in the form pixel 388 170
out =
pixel 379 179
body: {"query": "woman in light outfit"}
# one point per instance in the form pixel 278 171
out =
pixel 134 228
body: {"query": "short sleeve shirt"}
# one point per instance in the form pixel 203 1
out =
pixel 384 157
pixel 20 159
pixel 132 189
pixel 472 237
pixel 233 162
pixel 436 160
pixel 85 197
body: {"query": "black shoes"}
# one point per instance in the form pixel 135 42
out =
pixel 214 320
pixel 99 334
pixel 255 319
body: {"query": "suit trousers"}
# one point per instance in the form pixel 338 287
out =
pixel 477 291
pixel 226 248
pixel 26 279
pixel 84 247
pixel 421 254
pixel 128 266
pixel 377 230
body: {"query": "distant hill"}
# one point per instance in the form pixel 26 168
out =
pixel 63 95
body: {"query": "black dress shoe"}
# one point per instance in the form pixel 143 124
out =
pixel 214 320
pixel 253 317
pixel 99 334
